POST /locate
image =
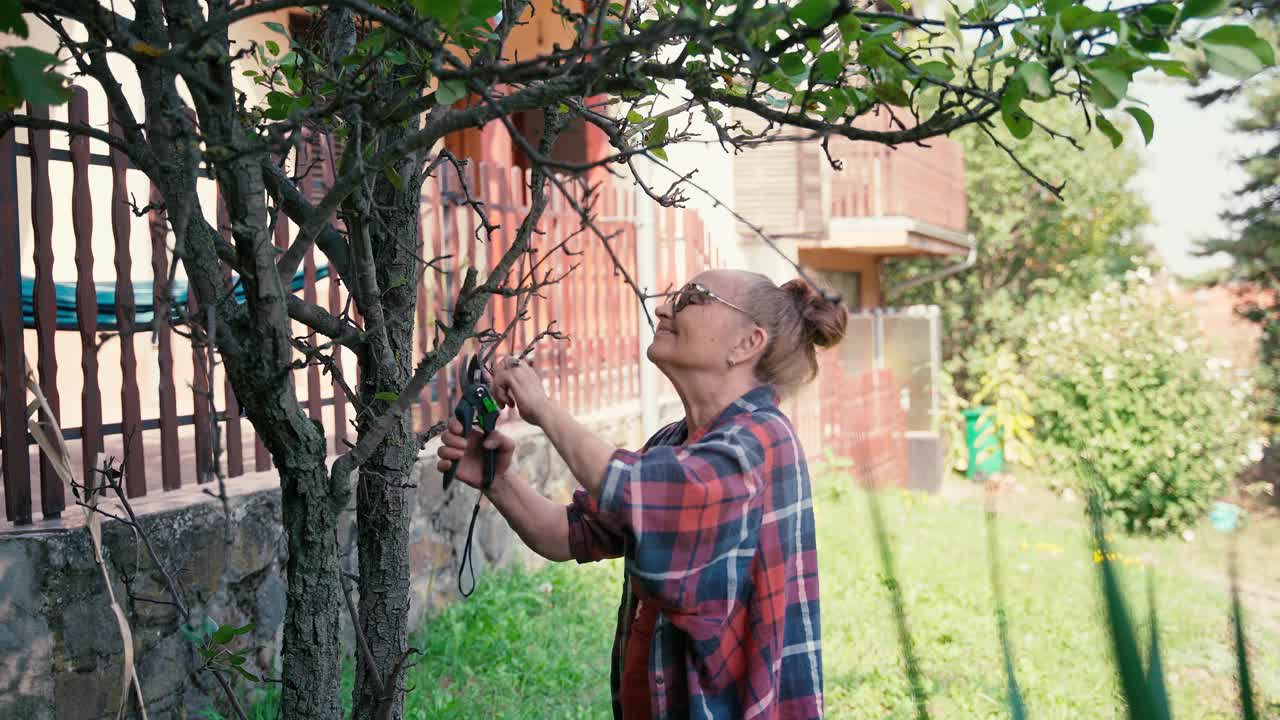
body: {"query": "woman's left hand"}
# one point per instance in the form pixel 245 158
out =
pixel 516 383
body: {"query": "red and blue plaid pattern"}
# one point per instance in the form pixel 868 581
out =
pixel 717 531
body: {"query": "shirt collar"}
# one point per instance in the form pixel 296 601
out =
pixel 758 398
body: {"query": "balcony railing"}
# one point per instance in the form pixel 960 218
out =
pixel 922 182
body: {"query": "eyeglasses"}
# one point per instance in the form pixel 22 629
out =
pixel 698 294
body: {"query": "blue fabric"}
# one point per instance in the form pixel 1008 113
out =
pixel 143 300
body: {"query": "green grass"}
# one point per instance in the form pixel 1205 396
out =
pixel 536 645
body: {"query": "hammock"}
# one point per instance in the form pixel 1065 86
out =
pixel 143 301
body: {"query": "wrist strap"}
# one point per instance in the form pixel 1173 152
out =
pixel 466 553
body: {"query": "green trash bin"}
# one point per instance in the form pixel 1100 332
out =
pixel 986 452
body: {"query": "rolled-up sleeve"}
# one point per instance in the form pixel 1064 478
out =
pixel 592 537
pixel 693 513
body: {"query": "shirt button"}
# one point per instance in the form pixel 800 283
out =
pixel 659 680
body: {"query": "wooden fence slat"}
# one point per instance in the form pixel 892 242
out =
pixel 422 308
pixel 161 328
pixel 315 402
pixel 326 154
pixel 13 370
pixel 135 471
pixel 446 241
pixel 234 430
pixel 86 292
pixel 46 304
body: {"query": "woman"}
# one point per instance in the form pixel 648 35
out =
pixel 719 617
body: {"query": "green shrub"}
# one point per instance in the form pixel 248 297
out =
pixel 1125 384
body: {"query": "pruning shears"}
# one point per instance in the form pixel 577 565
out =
pixel 476 405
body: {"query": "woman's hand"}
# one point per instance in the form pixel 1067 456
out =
pixel 468 452
pixel 516 383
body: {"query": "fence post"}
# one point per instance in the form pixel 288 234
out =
pixel 45 306
pixel 13 421
pixel 86 292
pixel 646 278
pixel 135 469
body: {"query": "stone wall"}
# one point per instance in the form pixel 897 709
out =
pixel 60 650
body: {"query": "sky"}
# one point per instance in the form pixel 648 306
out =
pixel 1189 174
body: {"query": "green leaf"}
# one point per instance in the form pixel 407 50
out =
pixel 1203 8
pixel 793 65
pixel 1018 122
pixel 1161 14
pixel 482 10
pixel 1109 86
pixel 446 11
pixel 813 12
pixel 1173 68
pixel 1109 130
pixel 850 28
pixel 11 18
pixel 1080 17
pixel 1237 62
pixel 829 66
pixel 937 70
pixel 273 47
pixel 34 77
pixel 1124 641
pixel 952 22
pixel 396 57
pixel 659 153
pixel 276 27
pixel 893 94
pixel 386 396
pixel 450 92
pixel 373 42
pixel 657 133
pixel 634 117
pixel 246 674
pixel 990 47
pixel 1236 50
pixel 245 629
pixel 223 634
pixel 1155 666
pixel 1036 76
pixel 1244 679
pixel 1145 123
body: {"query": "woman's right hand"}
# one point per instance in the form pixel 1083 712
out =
pixel 468 452
pixel 516 383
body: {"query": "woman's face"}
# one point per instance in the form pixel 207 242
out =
pixel 695 331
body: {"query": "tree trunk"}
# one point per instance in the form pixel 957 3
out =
pixel 382 496
pixel 312 638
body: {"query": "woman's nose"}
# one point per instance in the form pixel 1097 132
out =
pixel 664 310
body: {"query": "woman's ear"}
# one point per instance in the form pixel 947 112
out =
pixel 749 347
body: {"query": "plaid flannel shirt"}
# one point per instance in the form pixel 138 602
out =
pixel 717 531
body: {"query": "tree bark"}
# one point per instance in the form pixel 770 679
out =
pixel 382 496
pixel 312 647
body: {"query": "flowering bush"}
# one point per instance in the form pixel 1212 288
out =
pixel 1124 384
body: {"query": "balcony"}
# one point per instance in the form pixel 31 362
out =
pixel 908 200
pixel 885 202
pixel 904 200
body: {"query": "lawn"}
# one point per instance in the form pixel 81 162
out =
pixel 536 645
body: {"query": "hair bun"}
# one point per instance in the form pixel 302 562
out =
pixel 823 314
